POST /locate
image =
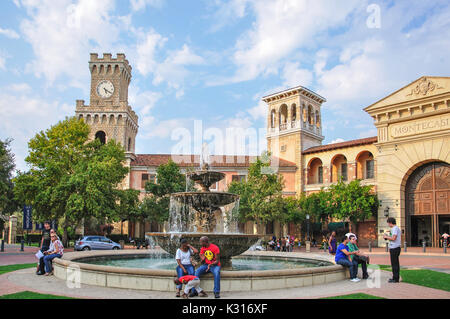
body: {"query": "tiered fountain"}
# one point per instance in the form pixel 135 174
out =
pixel 193 215
pixel 205 213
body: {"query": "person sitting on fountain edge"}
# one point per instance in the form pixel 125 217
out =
pixel 210 256
pixel 184 260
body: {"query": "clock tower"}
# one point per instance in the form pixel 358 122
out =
pixel 109 115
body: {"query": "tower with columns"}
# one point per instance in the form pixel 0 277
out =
pixel 293 125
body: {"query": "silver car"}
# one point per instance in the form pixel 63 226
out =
pixel 95 243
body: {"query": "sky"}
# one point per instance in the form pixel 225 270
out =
pixel 204 65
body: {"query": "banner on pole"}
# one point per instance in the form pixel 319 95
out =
pixel 27 222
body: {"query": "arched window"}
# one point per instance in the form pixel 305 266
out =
pixel 304 111
pixel 101 136
pixel 293 112
pixel 315 171
pixel 272 119
pixel 283 116
pixel 317 119
pixel 339 168
pixel 310 115
pixel 365 165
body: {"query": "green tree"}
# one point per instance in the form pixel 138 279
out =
pixel 261 194
pixel 72 178
pixel 155 207
pixel 7 203
pixel 352 201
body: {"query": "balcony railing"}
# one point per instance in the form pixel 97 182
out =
pixel 283 126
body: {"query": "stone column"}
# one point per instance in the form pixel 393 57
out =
pixel 12 229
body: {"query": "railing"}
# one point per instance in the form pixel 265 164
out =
pixel 283 126
pixel 293 124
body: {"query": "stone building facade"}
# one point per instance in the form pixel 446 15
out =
pixel 407 162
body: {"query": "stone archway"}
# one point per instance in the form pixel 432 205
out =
pixel 427 202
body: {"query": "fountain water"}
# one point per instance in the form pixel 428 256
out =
pixel 205 213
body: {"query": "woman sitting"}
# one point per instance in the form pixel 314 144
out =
pixel 56 250
pixel 184 260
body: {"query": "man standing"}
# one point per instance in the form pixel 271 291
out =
pixel 394 248
pixel 210 256
pixel 45 245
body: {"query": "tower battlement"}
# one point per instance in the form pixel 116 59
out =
pixel 108 114
pixel 108 59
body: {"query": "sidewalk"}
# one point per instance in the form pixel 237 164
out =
pixel 12 254
pixel 25 279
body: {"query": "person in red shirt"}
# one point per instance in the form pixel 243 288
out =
pixel 210 256
pixel 190 282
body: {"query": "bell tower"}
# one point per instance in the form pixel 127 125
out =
pixel 293 125
pixel 109 114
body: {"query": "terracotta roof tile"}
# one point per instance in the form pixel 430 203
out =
pixel 194 160
pixel 329 147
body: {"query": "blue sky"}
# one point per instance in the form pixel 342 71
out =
pixel 213 60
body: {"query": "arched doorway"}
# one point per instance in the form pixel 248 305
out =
pixel 427 195
pixel 101 136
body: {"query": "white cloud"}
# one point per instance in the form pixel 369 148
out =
pixel 293 75
pixel 146 50
pixel 137 5
pixel 172 69
pixel 143 101
pixel 338 140
pixel 281 27
pixel 62 33
pixel 26 114
pixel 2 61
pixel 353 78
pixel 228 12
pixel 9 33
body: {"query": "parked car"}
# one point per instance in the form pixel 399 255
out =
pixel 95 243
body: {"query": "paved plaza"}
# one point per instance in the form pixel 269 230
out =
pixel 434 259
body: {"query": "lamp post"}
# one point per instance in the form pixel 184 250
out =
pixel 308 243
pixel 307 226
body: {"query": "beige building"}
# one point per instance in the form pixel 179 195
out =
pixel 407 162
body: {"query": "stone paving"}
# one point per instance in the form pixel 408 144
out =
pixel 26 279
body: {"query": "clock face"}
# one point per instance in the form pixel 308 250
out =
pixel 105 89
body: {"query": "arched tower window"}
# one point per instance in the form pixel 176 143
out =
pixel 293 112
pixel 272 118
pixel 310 115
pixel 101 136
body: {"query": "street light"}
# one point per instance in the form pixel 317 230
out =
pixel 307 226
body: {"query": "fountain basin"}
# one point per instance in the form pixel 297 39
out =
pixel 229 244
pixel 73 267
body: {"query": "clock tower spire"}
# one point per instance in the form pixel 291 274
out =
pixel 109 115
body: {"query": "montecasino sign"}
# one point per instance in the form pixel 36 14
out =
pixel 437 123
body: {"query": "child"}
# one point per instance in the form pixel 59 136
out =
pixel 190 282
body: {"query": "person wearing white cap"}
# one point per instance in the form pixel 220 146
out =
pixel 359 257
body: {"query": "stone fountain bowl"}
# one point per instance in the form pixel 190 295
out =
pixel 229 244
pixel 202 201
pixel 206 178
